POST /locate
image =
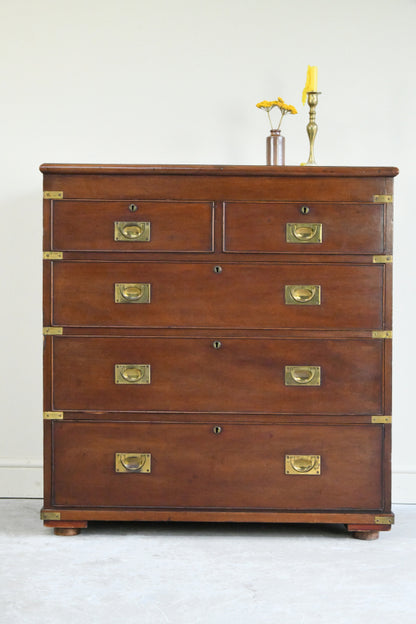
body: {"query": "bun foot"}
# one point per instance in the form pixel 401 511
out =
pixel 367 531
pixel 365 535
pixel 67 531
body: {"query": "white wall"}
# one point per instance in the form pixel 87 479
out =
pixel 176 81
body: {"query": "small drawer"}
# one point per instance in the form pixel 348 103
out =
pixel 139 226
pixel 200 465
pixel 218 374
pixel 289 227
pixel 244 295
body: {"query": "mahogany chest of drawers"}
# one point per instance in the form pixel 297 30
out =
pixel 217 344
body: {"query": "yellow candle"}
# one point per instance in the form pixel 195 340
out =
pixel 314 79
pixel 311 81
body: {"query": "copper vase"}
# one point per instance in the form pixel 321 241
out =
pixel 275 148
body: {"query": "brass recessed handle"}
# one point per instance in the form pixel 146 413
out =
pixel 132 231
pixel 133 462
pixel 303 294
pixel 303 464
pixel 304 232
pixel 132 293
pixel 132 373
pixel 302 375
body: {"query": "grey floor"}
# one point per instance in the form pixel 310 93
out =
pixel 150 573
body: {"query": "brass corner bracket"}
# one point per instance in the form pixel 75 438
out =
pixel 382 199
pixel 384 520
pixel 382 259
pixel 381 334
pixel 52 255
pixel 53 331
pixel 50 515
pixel 53 194
pixel 53 415
pixel 381 420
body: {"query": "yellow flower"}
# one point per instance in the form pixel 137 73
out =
pixel 284 108
pixel 266 105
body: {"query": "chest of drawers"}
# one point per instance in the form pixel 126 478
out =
pixel 217 345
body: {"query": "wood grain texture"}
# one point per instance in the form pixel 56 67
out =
pixel 235 218
pixel 368 527
pixel 217 170
pixel 209 515
pixel 346 228
pixel 340 184
pixel 243 295
pixel 244 375
pixel 192 467
pixel 66 524
pixel 174 226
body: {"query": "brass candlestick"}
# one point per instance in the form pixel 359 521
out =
pixel 312 127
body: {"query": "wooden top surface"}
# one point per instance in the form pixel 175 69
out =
pixel 222 170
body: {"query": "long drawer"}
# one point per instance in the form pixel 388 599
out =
pixel 244 295
pixel 237 466
pixel 302 376
pixel 132 226
pixel 276 227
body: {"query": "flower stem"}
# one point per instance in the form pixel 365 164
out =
pixel 268 115
pixel 281 118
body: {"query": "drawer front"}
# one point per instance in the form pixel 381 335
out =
pixel 152 226
pixel 276 228
pixel 327 296
pixel 187 465
pixel 301 376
